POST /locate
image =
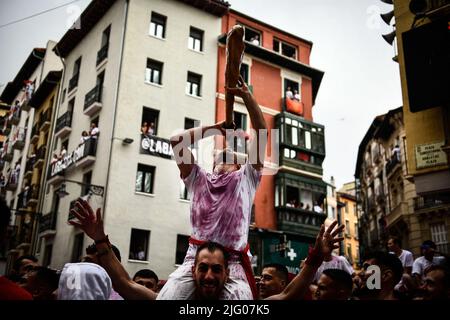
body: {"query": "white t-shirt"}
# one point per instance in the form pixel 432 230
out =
pixel 336 262
pixel 420 264
pixel 94 132
pixel 406 257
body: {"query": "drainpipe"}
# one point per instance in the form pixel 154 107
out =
pixel 43 182
pixel 116 98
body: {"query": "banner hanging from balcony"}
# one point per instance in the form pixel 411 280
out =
pixel 156 146
pixel 86 149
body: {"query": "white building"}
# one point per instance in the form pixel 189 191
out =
pixel 131 62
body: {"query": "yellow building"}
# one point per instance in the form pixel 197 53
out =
pixel 420 36
pixel 348 216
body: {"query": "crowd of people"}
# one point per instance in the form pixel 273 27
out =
pixel 217 263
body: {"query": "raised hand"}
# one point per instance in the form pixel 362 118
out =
pixel 91 224
pixel 241 90
pixel 328 240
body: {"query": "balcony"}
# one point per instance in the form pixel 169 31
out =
pixel 40 157
pixel 395 214
pixel 92 101
pixel 34 134
pixel 432 203
pixel 102 54
pixel 8 153
pixel 14 119
pixel 55 179
pixel 7 127
pixel 89 152
pixel 33 197
pixel 29 168
pixel 299 221
pixel 392 165
pixel 64 125
pixel 73 83
pixel 44 121
pixel 26 106
pixel 381 198
pixel 22 200
pixel 47 224
pixel 19 139
pixel 12 182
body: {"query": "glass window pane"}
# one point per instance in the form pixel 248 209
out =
pixel 191 43
pixel 294 136
pixel 138 181
pixel 286 153
pixel 307 140
pixel 148 182
pixel 159 31
pixel 156 76
pixel 293 153
pixel 288 121
pixel 152 29
pixel 197 45
pixel 195 89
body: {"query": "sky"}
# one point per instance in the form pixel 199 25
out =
pixel 361 81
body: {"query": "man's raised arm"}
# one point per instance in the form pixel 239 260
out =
pixel 257 147
pixel 180 143
pixel 92 225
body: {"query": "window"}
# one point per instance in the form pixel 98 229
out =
pixel 139 244
pixel 356 230
pixel 63 97
pixel 285 49
pixel 145 178
pixel 182 247
pixel 77 249
pixel 439 236
pixel 153 73
pixel 290 85
pixel 253 36
pixel 150 119
pixel 105 36
pixel 240 119
pixel 71 106
pixel 195 39
pixel 349 253
pixel 193 84
pixel 158 25
pixel 87 177
pixel 189 124
pixel 77 67
pixel 347 228
pixel 245 72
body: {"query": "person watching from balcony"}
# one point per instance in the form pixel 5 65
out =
pixel 317 208
pixel 296 95
pixel 84 136
pixel 144 128
pixel 289 94
pixel 255 40
pixel 151 128
pixel 94 132
pixel 63 152
pixel 396 152
pixel 55 158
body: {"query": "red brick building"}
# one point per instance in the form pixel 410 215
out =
pixel 274 61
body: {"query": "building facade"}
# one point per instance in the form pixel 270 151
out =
pixel 274 63
pixel 137 72
pixel 422 37
pixel 349 218
pixel 32 96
